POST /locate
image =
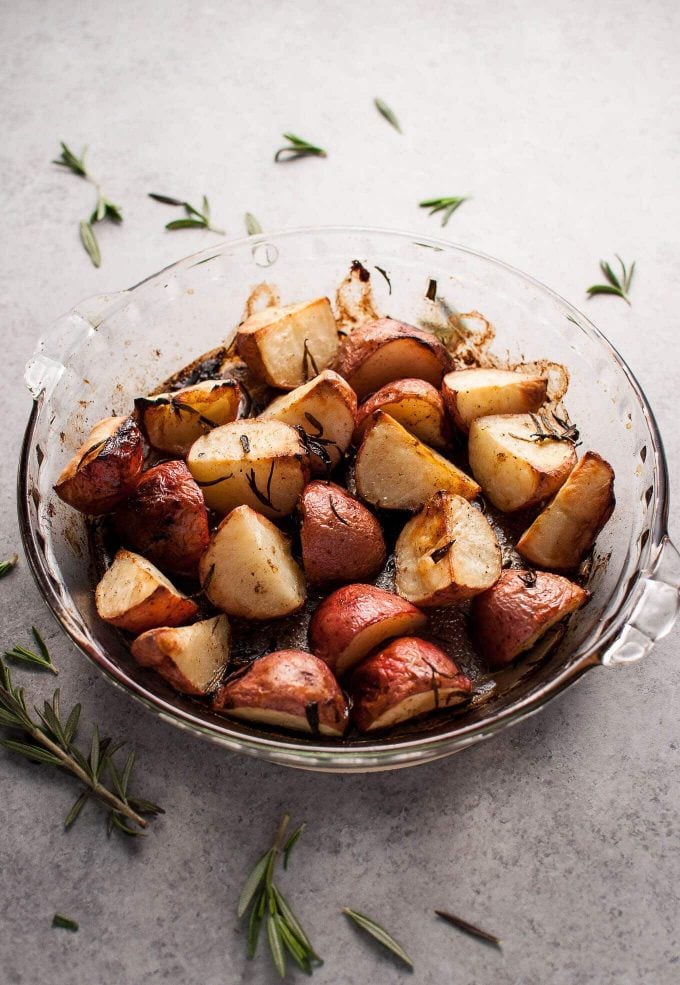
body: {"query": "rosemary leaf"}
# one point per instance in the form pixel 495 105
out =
pixel 290 844
pixel 297 147
pixel 385 111
pixel 9 565
pixel 186 224
pixel 469 928
pixel 379 933
pixel 387 278
pixel 23 655
pixel 59 920
pixel 276 945
pixel 166 199
pixel 89 241
pixel 252 884
pixel 446 205
pixel 253 227
pixel 68 159
pixel 617 285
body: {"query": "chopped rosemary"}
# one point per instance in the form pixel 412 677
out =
pixel 379 933
pixel 307 360
pixel 9 565
pixel 528 577
pixel 561 430
pixel 312 716
pixel 297 147
pixel 264 498
pixel 386 276
pixel 41 659
pixel 385 111
pixel 245 444
pixel 334 511
pixel 431 292
pixel 195 218
pixel 446 205
pixel 315 445
pixel 59 920
pixel 617 285
pixel 469 928
pixel 441 552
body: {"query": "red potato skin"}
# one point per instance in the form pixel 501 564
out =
pixel 394 392
pixel 165 519
pixel 160 609
pixel 294 679
pixel 341 540
pixel 350 610
pixel 508 615
pixel 103 482
pixel 405 667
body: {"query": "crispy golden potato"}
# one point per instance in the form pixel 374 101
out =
pixel 355 619
pixel 258 463
pixel 473 393
pixel 286 347
pixel 523 605
pixel 396 471
pixel 567 528
pixel 104 470
pixel 385 350
pixel 248 569
pixel 446 554
pixel 136 596
pixel 325 409
pixel 514 464
pixel 415 404
pixel 171 422
pixel 288 689
pixel 341 540
pixel 165 519
pixel 191 658
pixel 406 679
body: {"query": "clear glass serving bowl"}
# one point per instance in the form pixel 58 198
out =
pixel 110 349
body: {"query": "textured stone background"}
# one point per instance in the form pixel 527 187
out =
pixel 561 119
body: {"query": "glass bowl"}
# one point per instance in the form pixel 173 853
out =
pixel 110 349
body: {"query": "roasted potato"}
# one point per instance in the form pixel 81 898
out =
pixel 567 528
pixel 286 347
pixel 473 393
pixel 341 540
pixel 171 422
pixel 136 596
pixel 396 471
pixel 446 554
pixel 191 658
pixel 355 619
pixel 407 678
pixel 256 463
pixel 415 404
pixel 104 470
pixel 289 689
pixel 516 462
pixel 165 519
pixel 511 616
pixel 385 350
pixel 248 569
pixel 325 408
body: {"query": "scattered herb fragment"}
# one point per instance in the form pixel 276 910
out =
pixel 446 205
pixel 441 552
pixel 307 359
pixel 379 933
pixel 41 659
pixel 245 444
pixel 9 565
pixel 253 227
pixel 195 218
pixel 297 147
pixel 528 577
pixel 104 209
pixel 386 276
pixel 469 928
pixel 264 498
pixel 617 285
pixel 89 241
pixel 385 111
pixel 67 159
pixel 431 292
pixel 59 920
pixel 334 511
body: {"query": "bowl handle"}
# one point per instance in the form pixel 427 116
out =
pixel 656 609
pixel 63 338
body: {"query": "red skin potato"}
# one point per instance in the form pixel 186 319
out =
pixel 341 540
pixel 105 480
pixel 395 392
pixel 165 519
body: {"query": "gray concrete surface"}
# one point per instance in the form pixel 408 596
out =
pixel 561 120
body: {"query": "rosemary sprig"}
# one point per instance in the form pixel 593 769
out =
pixel 9 565
pixel 446 205
pixel 253 227
pixel 469 928
pixel 316 445
pixel 104 208
pixel 267 904
pixel 379 933
pixel 41 659
pixel 50 739
pixel 59 920
pixel 559 429
pixel 385 111
pixel 297 147
pixel 617 285
pixel 195 218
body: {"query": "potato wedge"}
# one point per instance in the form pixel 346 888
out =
pixel 285 347
pixel 355 619
pixel 261 464
pixel 104 470
pixel 341 540
pixel 406 679
pixel 171 422
pixel 165 519
pixel 136 596
pixel 473 393
pixel 567 528
pixel 396 471
pixel 515 466
pixel 191 658
pixel 446 554
pixel 523 605
pixel 415 404
pixel 325 408
pixel 385 350
pixel 248 569
pixel 287 689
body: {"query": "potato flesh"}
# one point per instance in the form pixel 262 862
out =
pixel 396 471
pixel 248 569
pixel 416 705
pixel 281 719
pixel 173 421
pixel 513 469
pixel 135 595
pixel 269 459
pixel 474 393
pixel 566 529
pixel 192 658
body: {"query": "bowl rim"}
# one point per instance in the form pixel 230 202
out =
pixel 338 757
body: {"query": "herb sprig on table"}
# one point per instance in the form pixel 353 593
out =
pixel 296 148
pixel 104 208
pixel 619 285
pixel 41 659
pixel 9 565
pixel 195 218
pixel 388 114
pixel 446 205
